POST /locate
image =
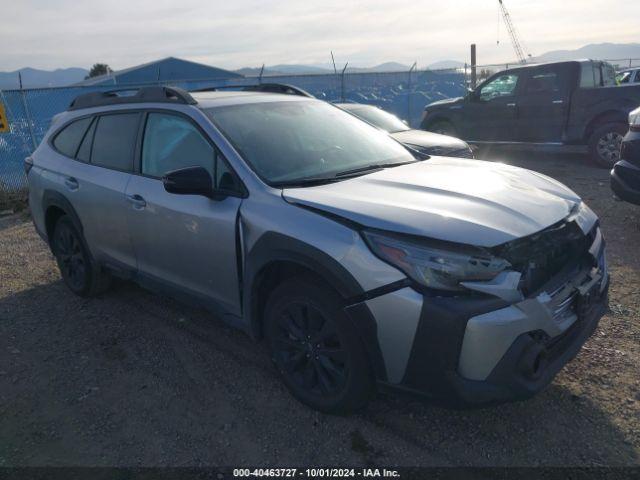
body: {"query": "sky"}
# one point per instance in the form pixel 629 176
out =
pixel 51 34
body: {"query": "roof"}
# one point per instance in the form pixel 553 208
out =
pixel 224 98
pixel 169 68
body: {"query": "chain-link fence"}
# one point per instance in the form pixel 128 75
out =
pixel 29 112
pixel 405 94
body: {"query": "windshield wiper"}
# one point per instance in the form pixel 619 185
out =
pixel 305 182
pixel 311 181
pixel 368 168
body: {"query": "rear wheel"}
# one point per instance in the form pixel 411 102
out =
pixel 316 349
pixel 605 143
pixel 79 272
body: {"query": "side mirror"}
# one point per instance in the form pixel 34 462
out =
pixel 189 181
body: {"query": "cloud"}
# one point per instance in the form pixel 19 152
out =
pixel 236 33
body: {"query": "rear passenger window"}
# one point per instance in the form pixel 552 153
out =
pixel 114 141
pixel 547 82
pixel 171 142
pixel 68 140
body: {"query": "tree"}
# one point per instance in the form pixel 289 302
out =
pixel 98 69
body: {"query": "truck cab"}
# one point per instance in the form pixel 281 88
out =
pixel 561 104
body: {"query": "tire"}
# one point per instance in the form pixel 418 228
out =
pixel 605 143
pixel 443 127
pixel 315 347
pixel 79 272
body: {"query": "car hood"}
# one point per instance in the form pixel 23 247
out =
pixel 421 138
pixel 444 102
pixel 477 203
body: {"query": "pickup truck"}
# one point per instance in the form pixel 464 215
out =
pixel 576 103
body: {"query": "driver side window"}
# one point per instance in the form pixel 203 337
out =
pixel 172 142
pixel 500 86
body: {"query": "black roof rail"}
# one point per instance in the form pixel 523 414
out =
pixel 263 87
pixel 153 94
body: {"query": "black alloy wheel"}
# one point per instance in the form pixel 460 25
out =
pixel 307 346
pixel 316 348
pixel 79 272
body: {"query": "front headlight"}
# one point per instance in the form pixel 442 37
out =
pixel 435 267
pixel 634 120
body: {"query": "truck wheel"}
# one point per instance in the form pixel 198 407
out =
pixel 315 347
pixel 79 272
pixel 443 127
pixel 605 143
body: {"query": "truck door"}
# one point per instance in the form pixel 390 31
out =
pixel 490 111
pixel 543 104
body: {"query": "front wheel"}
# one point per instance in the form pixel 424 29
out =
pixel 605 143
pixel 315 347
pixel 443 127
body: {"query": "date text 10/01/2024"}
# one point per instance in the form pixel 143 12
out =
pixel 316 472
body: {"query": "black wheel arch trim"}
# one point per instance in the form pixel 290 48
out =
pixel 275 247
pixel 435 117
pixel 608 115
pixel 51 198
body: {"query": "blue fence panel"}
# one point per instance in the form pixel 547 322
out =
pixel 30 111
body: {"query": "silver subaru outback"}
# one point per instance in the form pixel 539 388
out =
pixel 362 264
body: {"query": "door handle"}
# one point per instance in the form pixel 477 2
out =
pixel 511 105
pixel 137 201
pixel 71 183
pixel 558 102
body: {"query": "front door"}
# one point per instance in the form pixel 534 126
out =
pixel 490 111
pixel 187 241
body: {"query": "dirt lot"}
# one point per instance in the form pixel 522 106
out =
pixel 134 379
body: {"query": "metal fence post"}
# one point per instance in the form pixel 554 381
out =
pixel 415 64
pixel 27 113
pixel 473 66
pixel 342 81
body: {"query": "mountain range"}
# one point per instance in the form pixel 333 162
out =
pixel 32 77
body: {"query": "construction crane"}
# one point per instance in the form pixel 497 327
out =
pixel 513 34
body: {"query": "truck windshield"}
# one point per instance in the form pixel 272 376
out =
pixel 292 141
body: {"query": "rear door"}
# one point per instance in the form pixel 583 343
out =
pixel 490 111
pixel 543 104
pixel 95 181
pixel 186 241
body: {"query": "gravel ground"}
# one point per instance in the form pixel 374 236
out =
pixel 133 379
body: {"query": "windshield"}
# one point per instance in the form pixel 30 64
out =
pixel 290 141
pixel 377 117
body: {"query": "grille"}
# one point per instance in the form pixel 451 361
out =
pixel 542 256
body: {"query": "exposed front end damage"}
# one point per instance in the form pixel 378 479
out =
pixel 509 337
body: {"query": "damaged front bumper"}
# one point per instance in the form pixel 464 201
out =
pixel 526 344
pixel 484 349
